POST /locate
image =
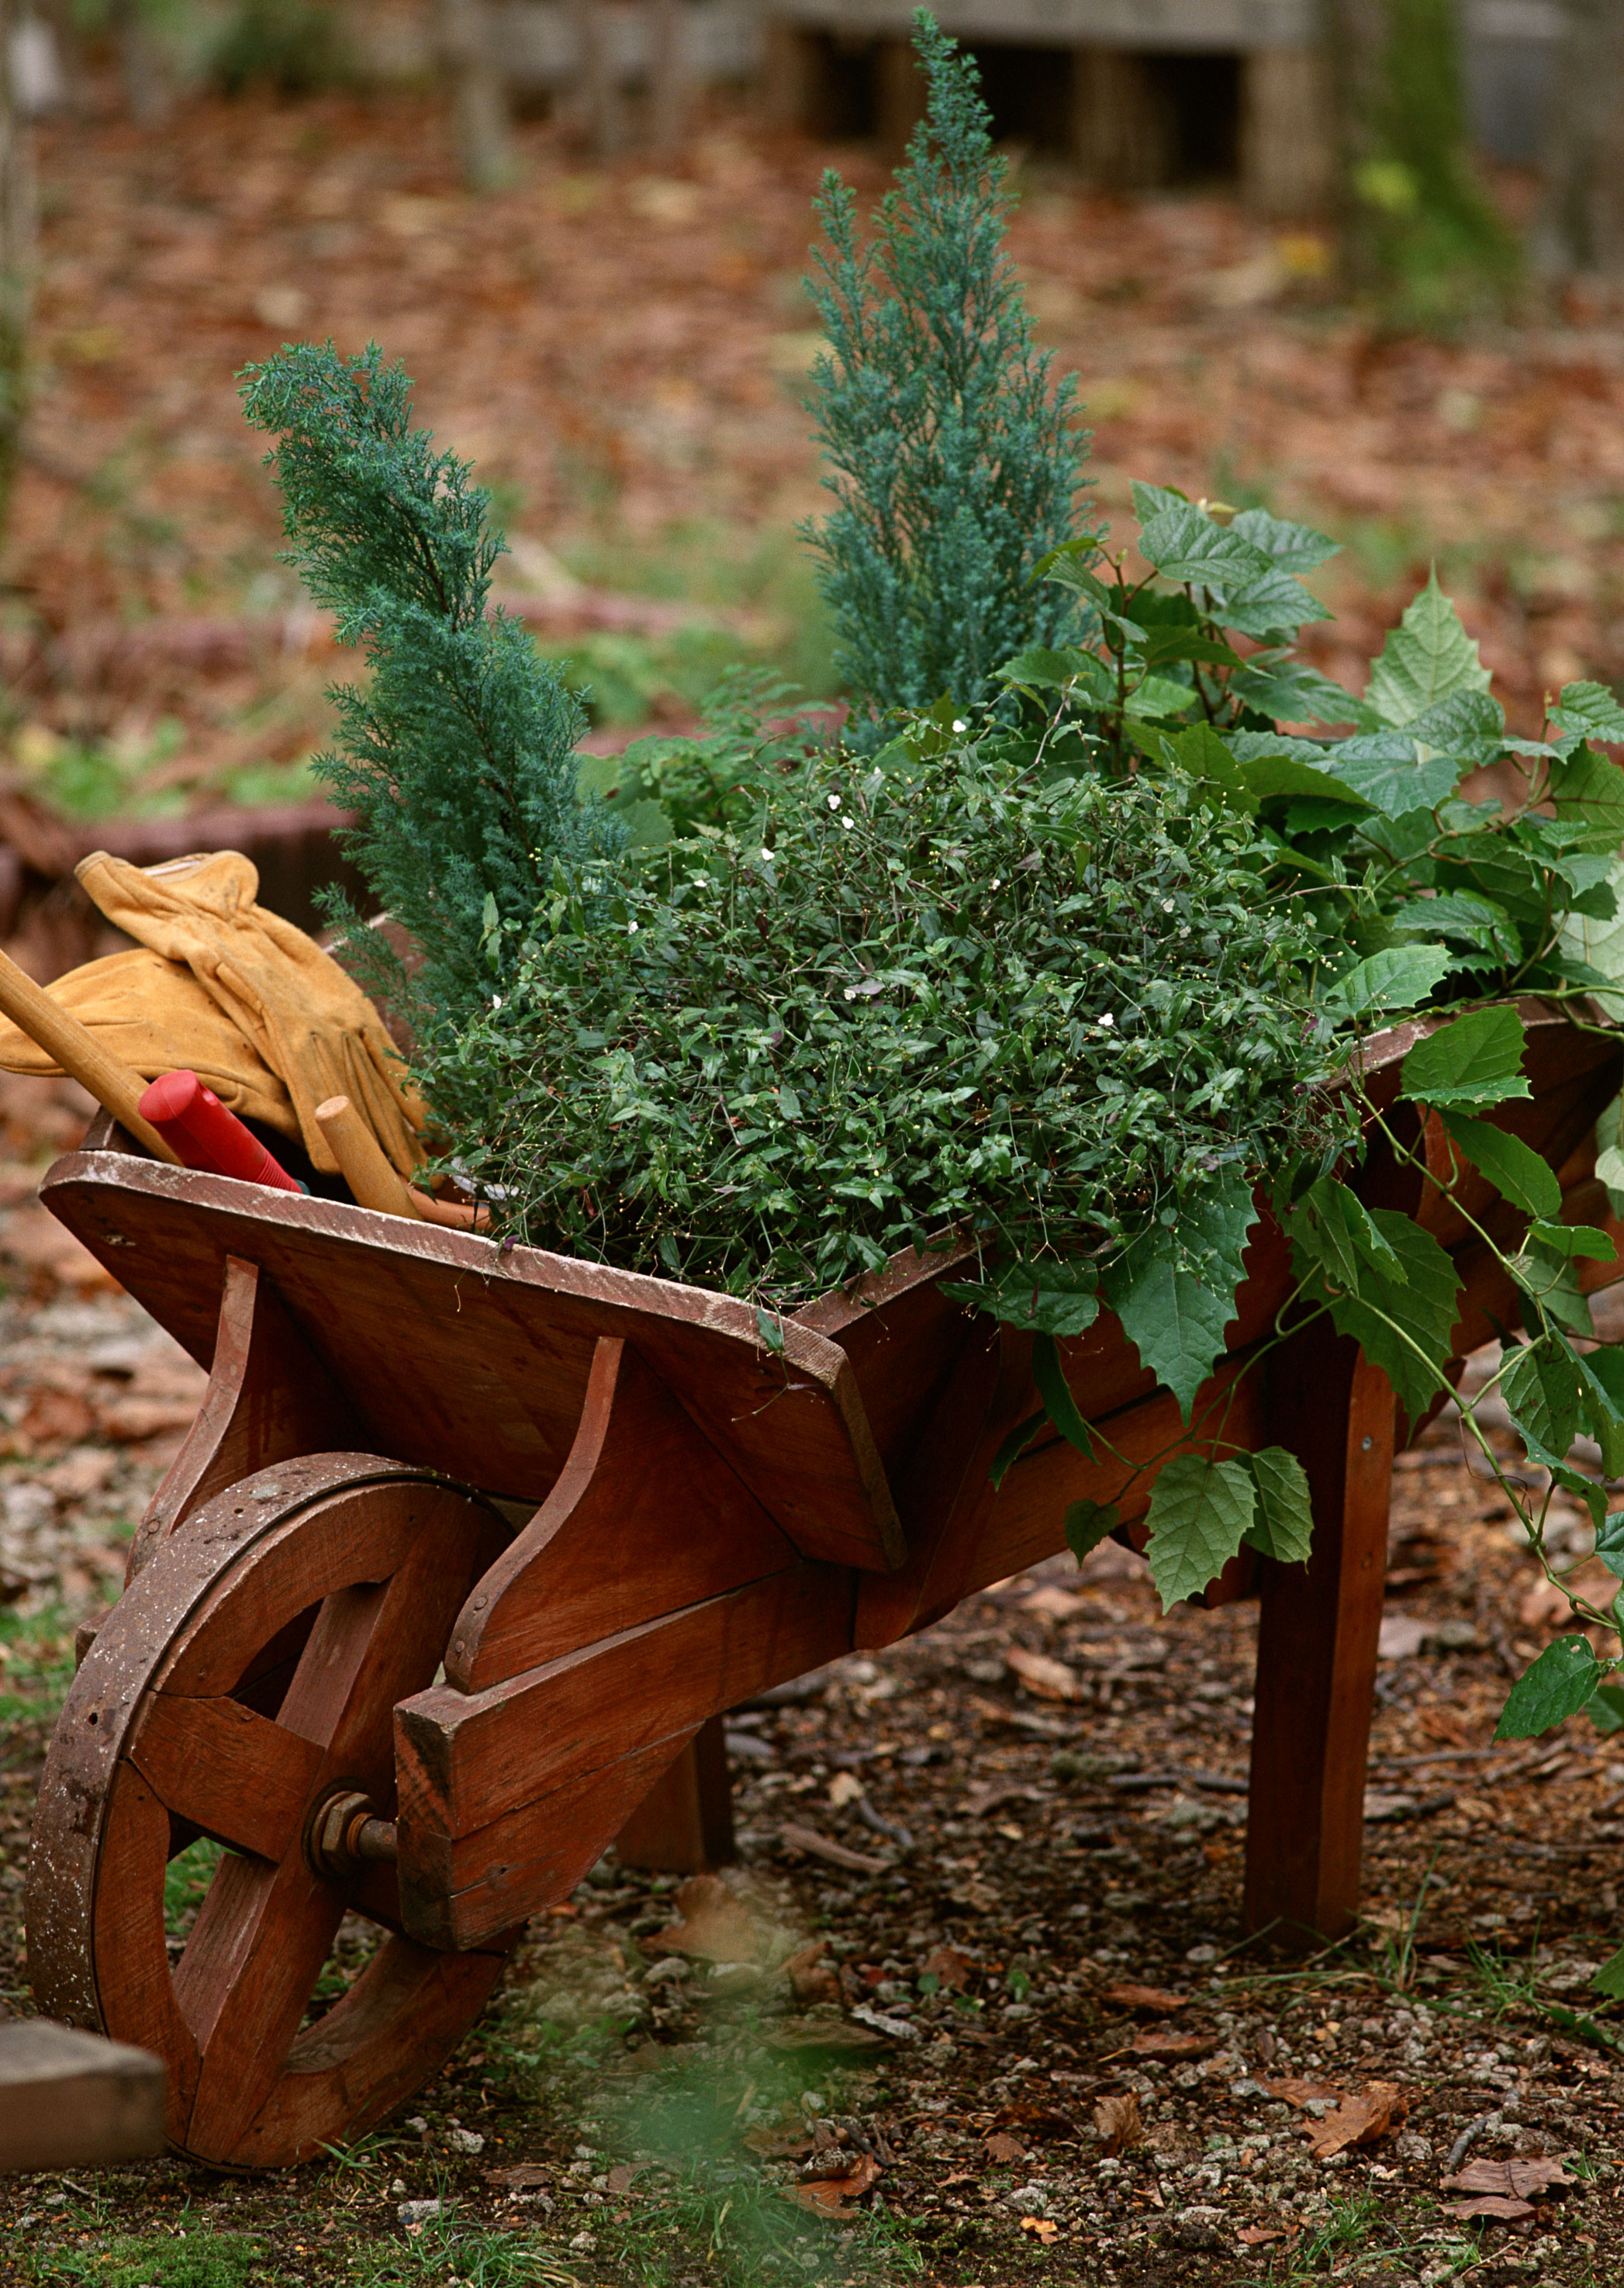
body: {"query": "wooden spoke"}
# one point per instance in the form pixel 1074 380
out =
pixel 251 1674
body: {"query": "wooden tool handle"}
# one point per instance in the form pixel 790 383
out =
pixel 81 1055
pixel 361 1159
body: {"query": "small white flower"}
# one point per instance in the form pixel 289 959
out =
pixel 766 857
pixel 959 724
pixel 850 993
pixel 834 802
pixel 848 824
pixel 631 928
pixel 1167 905
pixel 1108 1018
pixel 496 1000
pixel 997 882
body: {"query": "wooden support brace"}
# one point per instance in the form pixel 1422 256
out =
pixel 684 1823
pixel 1316 1645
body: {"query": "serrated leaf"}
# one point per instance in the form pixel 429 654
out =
pixel 1282 1525
pixel 1184 543
pixel 1471 1065
pixel 1556 1688
pixel 1400 977
pixel 1469 724
pixel 1515 1168
pixel 1200 1514
pixel 1295 694
pixel 1427 657
pixel 1294 547
pixel 1164 645
pixel 1610 1175
pixel 1159 694
pixel 1393 774
pixel 1550 1289
pixel 1404 1325
pixel 1048 1298
pixel 1333 1225
pixel 1175 1292
pixel 1605 1710
pixel 1273 776
pixel 1206 759
pixel 1088 1523
pixel 1156 500
pixel 1044 669
pixel 1600 941
pixel 1589 708
pixel 1055 1392
pixel 1576 1240
pixel 1461 916
pixel 1544 1395
pixel 1609 1979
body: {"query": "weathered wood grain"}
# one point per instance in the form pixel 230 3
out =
pixel 70 2100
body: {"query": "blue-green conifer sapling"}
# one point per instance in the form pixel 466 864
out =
pixel 953 461
pixel 457 756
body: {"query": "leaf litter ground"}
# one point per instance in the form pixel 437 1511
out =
pixel 974 2005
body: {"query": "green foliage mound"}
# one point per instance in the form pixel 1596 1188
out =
pixel 952 987
pixel 955 462
pixel 458 756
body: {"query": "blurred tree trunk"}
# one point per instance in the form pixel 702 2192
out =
pixel 668 78
pixel 482 123
pixel 1353 37
pixel 16 258
pixel 597 103
pixel 1582 225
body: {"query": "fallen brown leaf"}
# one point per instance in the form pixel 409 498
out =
pixel 1256 2235
pixel 1358 2120
pixel 715 1926
pixel 1048 1680
pixel 1002 2147
pixel 1041 2229
pixel 1491 2205
pixel 624 2175
pixel 778 2144
pixel 523 2177
pixel 811 1978
pixel 1052 1604
pixel 948 1966
pixel 824 2034
pixel 807 1838
pixel 1302 2092
pixel 1515 2180
pixel 983 1800
pixel 1161 2042
pixel 835 2199
pixel 1117 2122
pixel 1126 1996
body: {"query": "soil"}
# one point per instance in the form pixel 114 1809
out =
pixel 974 2004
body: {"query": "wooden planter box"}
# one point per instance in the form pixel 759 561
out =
pixel 612 1513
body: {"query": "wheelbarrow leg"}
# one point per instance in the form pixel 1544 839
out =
pixel 684 1823
pixel 1316 1645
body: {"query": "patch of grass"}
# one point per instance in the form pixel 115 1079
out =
pixel 36 1665
pixel 445 2251
pixel 205 2257
pixel 1506 1984
pixel 186 1883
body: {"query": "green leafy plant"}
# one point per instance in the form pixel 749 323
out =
pixel 458 754
pixel 955 462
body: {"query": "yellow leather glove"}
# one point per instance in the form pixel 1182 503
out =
pixel 304 1018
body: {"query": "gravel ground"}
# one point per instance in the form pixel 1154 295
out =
pixel 974 2006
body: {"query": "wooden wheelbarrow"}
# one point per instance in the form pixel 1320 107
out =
pixel 468 1541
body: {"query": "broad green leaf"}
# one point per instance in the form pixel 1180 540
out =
pixel 1273 776
pixel 1550 1289
pixel 1088 1523
pixel 1294 547
pixel 1587 790
pixel 1184 543
pixel 1272 605
pixel 1405 1324
pixel 1048 1298
pixel 1282 1525
pixel 1200 1514
pixel 1045 669
pixel 1471 1065
pixel 1469 725
pixel 1055 1392
pixel 1610 1174
pixel 1292 693
pixel 1164 645
pixel 1610 1542
pixel 1544 1395
pixel 1400 978
pixel 1203 756
pixel 1462 916
pixel 1427 657
pixel 1589 708
pixel 1015 1445
pixel 1602 1377
pixel 1175 1292
pixel 1600 942
pixel 1576 1239
pixel 1605 1710
pixel 1159 694
pixel 1515 1168
pixel 1394 775
pixel 1334 1225
pixel 1609 1979
pixel 1156 500
pixel 1556 1688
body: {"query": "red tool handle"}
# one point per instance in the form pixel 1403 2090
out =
pixel 193 1122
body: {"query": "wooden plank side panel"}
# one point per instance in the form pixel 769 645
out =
pixel 70 2100
pixel 499 1345
pixel 646 1516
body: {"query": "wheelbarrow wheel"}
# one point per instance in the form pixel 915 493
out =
pixel 243 1692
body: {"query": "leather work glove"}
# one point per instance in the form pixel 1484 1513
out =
pixel 226 964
